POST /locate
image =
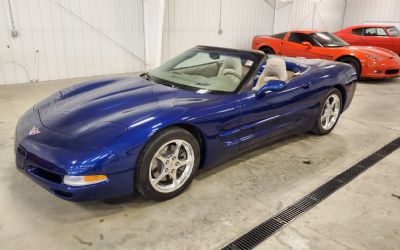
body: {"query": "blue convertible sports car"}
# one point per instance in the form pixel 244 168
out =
pixel 106 138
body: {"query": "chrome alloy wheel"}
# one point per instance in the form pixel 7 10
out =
pixel 330 112
pixel 171 166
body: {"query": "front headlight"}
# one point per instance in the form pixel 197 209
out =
pixel 77 181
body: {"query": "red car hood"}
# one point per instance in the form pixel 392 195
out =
pixel 381 52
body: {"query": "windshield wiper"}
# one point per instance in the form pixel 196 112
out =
pixel 146 76
pixel 168 84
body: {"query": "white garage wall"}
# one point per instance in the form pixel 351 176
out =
pixel 191 22
pixel 228 23
pixel 372 11
pixel 309 14
pixel 153 25
pixel 70 38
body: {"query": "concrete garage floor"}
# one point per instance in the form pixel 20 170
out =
pixel 228 200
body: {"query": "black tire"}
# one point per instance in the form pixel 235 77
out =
pixel 318 127
pixel 142 171
pixel 353 62
pixel 267 50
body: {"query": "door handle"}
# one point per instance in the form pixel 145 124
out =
pixel 307 85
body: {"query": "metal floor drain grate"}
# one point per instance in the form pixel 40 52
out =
pixel 266 229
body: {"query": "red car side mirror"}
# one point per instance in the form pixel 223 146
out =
pixel 307 44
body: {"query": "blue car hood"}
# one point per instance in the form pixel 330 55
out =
pixel 118 101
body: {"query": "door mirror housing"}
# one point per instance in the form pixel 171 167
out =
pixel 271 85
pixel 307 44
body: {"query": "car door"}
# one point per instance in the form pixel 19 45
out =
pixel 376 36
pixel 315 51
pixel 396 45
pixel 318 52
pixel 395 38
pixel 354 37
pixel 276 113
pixel 292 45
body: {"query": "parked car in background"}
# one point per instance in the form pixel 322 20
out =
pixel 369 62
pixel 152 133
pixel 385 36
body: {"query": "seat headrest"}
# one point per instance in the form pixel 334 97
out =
pixel 276 67
pixel 231 64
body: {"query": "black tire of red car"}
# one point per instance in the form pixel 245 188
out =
pixel 142 178
pixel 318 128
pixel 353 62
pixel 267 50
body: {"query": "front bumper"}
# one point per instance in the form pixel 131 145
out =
pixel 116 185
pixel 380 70
pixel 48 156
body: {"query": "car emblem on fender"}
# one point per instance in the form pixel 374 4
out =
pixel 34 131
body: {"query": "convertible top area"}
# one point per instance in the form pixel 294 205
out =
pixel 208 68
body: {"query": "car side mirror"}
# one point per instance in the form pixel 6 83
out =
pixel 307 44
pixel 271 85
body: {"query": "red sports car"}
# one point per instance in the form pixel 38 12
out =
pixel 369 62
pixel 384 36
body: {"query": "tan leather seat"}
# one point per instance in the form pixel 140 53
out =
pixel 231 67
pixel 274 70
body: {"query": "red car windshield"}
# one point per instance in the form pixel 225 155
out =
pixel 393 31
pixel 329 40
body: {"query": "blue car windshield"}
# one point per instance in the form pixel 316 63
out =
pixel 205 71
